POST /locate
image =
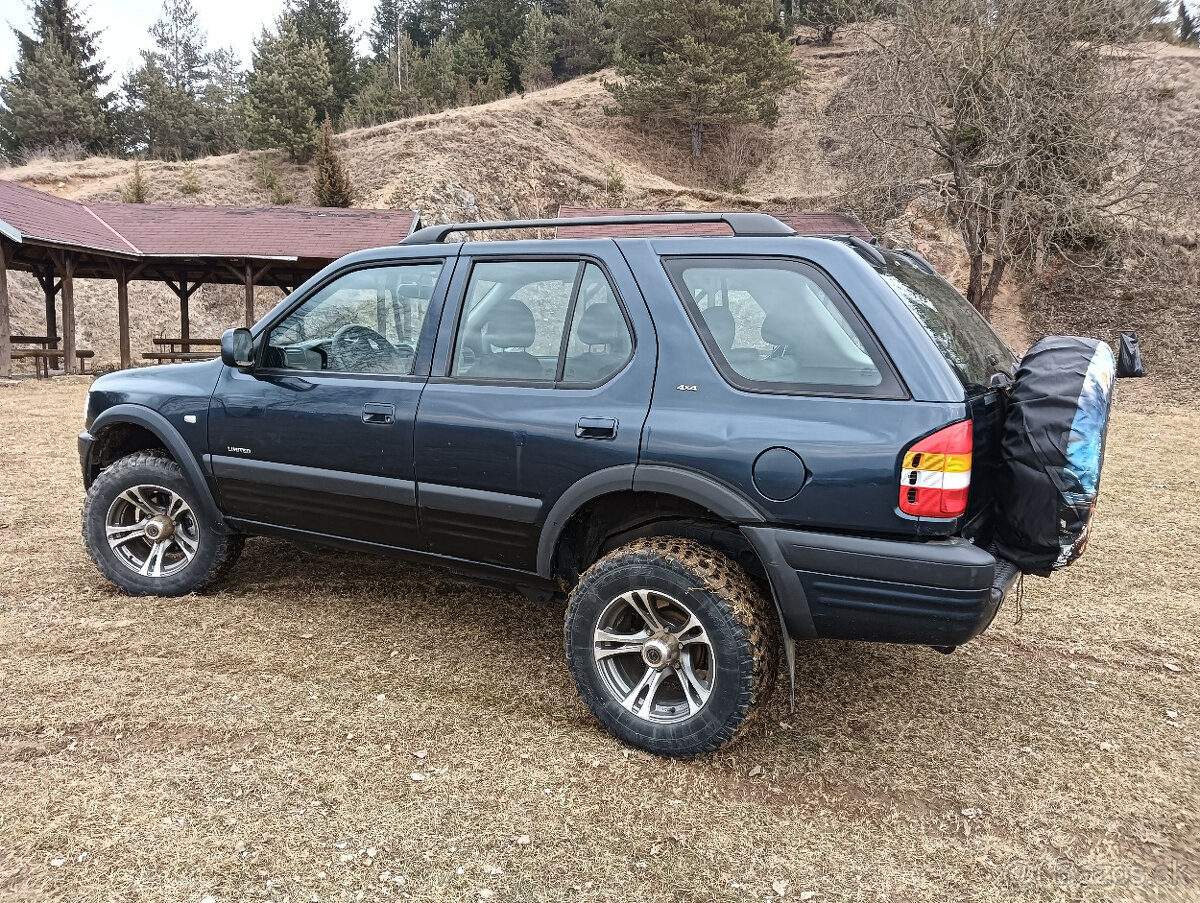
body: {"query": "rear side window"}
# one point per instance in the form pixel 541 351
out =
pixel 777 325
pixel 556 322
pixel 964 337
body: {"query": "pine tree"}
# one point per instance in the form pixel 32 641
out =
pixel 534 51
pixel 435 76
pixel 137 189
pixel 1189 31
pixel 499 24
pixel 44 108
pixel 224 102
pixel 164 114
pixel 584 37
pixel 387 24
pixel 328 21
pixel 700 64
pixel 332 186
pixel 288 84
pixel 77 108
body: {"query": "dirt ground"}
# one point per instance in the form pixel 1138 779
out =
pixel 337 728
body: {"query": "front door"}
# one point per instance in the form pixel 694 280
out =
pixel 539 380
pixel 318 436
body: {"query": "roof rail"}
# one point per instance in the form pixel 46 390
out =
pixel 865 248
pixel 745 224
pixel 920 262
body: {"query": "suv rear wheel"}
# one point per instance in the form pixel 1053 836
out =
pixel 671 645
pixel 148 534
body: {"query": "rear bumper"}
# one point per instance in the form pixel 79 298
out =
pixel 938 593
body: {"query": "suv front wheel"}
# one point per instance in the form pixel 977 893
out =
pixel 147 533
pixel 671 645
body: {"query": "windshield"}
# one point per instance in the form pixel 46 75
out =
pixel 964 337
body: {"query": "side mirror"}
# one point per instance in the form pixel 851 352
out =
pixel 237 348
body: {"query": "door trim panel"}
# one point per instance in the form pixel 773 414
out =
pixel 318 479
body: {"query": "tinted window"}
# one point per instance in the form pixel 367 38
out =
pixel 775 325
pixel 964 337
pixel 365 321
pixel 513 322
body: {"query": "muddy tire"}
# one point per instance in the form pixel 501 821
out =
pixel 671 645
pixel 146 531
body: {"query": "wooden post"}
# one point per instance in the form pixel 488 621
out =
pixel 123 315
pixel 185 323
pixel 68 312
pixel 5 325
pixel 47 279
pixel 249 295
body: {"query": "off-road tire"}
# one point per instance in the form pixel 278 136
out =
pixel 741 625
pixel 215 555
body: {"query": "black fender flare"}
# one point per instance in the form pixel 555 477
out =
pixel 160 426
pixel 693 487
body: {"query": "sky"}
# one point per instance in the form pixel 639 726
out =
pixel 124 25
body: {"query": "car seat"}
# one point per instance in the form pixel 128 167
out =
pixel 507 335
pixel 603 327
pixel 721 324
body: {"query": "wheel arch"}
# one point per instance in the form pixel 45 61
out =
pixel 128 428
pixel 693 492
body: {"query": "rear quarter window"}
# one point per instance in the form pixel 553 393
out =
pixel 778 325
pixel 967 341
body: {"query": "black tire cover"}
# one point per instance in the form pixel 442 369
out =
pixel 1052 451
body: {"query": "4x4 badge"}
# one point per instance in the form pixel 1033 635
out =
pixel 686 388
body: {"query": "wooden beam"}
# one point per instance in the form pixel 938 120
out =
pixel 5 325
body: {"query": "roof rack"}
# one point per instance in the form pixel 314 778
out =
pixel 744 224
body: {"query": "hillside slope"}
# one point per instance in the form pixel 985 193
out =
pixel 522 156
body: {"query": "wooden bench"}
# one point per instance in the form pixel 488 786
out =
pixel 181 350
pixel 43 356
pixel 173 356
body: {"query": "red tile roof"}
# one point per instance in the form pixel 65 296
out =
pixel 804 223
pixel 198 231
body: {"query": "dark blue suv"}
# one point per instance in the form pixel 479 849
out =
pixel 710 447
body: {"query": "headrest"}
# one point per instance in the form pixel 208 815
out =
pixel 781 329
pixel 510 325
pixel 602 324
pixel 721 325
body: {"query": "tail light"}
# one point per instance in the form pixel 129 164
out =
pixel 936 476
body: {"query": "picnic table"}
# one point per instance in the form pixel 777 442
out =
pixel 181 350
pixel 44 353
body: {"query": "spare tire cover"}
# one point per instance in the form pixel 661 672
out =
pixel 1052 451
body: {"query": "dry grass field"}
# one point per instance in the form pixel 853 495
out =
pixel 327 727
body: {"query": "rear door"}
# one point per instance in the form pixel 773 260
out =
pixel 980 359
pixel 542 375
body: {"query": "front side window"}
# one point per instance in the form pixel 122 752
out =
pixel 513 324
pixel 365 321
pixel 774 325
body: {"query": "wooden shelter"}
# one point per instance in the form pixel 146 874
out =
pixel 804 223
pixel 184 247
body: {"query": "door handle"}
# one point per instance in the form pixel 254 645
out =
pixel 378 413
pixel 596 428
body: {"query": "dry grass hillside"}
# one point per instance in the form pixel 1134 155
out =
pixel 523 156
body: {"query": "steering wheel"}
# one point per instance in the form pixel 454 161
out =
pixel 360 349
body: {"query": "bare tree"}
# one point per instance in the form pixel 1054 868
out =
pixel 1024 119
